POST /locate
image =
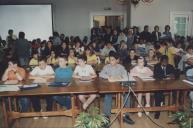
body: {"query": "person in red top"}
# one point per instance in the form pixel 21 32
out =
pixel 13 75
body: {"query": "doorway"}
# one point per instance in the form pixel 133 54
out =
pixel 114 19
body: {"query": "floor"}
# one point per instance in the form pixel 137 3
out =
pixel 65 122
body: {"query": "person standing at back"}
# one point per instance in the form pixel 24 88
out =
pixel 22 49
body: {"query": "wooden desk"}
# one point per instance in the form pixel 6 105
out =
pixel 76 87
pixel 97 86
pixel 143 87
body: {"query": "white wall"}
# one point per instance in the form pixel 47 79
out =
pixel 158 12
pixel 72 17
pixel 26 18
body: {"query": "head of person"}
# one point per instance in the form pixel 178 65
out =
pixel 141 61
pixel 62 60
pixel 132 52
pixel 78 44
pixel 123 44
pixel 115 32
pixel 64 45
pixel 53 54
pixel 146 28
pixel 156 28
pixel 88 51
pixel 189 49
pixel 12 64
pixel 109 45
pixel 10 31
pixel 121 33
pixel 82 60
pixel 42 63
pixel 35 55
pixel 164 60
pixel 49 44
pixel 130 32
pixel 21 35
pixel 151 53
pixel 113 58
pixel 167 28
pixel 71 52
pixel 135 29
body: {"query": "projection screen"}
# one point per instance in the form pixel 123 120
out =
pixel 34 20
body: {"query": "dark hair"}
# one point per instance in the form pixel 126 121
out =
pixel 156 27
pixel 82 57
pixel 63 57
pixel 42 59
pixel 91 50
pixel 21 35
pixel 10 31
pixel 163 57
pixel 146 26
pixel 189 47
pixel 14 61
pixel 113 54
pixel 167 26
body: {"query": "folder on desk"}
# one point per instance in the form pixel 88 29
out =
pixel 59 84
pixel 188 81
pixel 9 88
pixel 146 78
pixel 30 86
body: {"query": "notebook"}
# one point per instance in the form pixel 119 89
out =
pixel 59 84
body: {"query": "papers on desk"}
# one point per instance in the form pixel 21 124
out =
pixel 187 81
pixel 7 88
pixel 30 86
pixel 131 78
pixel 146 78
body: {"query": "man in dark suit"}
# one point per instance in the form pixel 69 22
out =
pixel 156 34
pixel 146 35
pixel 162 71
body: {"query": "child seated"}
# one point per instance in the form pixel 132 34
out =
pixel 34 60
pixel 63 74
pixel 41 74
pixel 83 71
pixel 141 70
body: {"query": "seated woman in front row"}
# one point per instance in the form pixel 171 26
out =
pixel 142 71
pixel 85 72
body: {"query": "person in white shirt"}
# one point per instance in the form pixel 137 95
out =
pixel 141 71
pixel 84 71
pixel 41 74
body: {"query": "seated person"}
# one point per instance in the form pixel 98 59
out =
pixel 13 75
pixel 63 74
pixel 189 75
pixel 72 58
pixel 187 59
pixel 162 70
pixel 107 48
pixel 91 57
pixel 151 58
pixel 111 71
pixel 34 60
pixel 52 60
pixel 131 59
pixel 84 71
pixel 41 74
pixel 141 70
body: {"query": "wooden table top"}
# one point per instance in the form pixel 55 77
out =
pixel 99 85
